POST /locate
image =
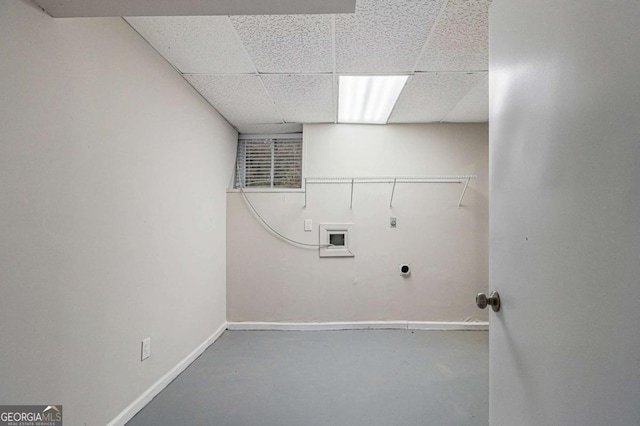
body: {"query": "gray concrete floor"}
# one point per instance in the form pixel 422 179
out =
pixel 306 378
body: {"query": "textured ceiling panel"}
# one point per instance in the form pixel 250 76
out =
pixel 94 8
pixel 297 55
pixel 383 36
pixel 302 98
pixel 269 129
pixel 460 41
pixel 429 97
pixel 241 99
pixel 474 107
pixel 287 43
pixel 196 44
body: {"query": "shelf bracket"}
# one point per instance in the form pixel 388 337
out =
pixel 351 203
pixel 463 192
pixel 392 192
pixel 305 193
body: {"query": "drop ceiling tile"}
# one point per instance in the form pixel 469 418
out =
pixel 474 107
pixel 287 43
pixel 302 98
pixel 460 40
pixel 383 36
pixel 428 97
pixel 241 99
pixel 270 129
pixel 195 44
pixel 117 8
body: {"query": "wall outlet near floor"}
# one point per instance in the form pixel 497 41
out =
pixel 145 349
pixel 392 222
pixel 308 225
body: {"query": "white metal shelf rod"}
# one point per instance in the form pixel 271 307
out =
pixel 387 179
pixel 394 180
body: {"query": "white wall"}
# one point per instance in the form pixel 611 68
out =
pixel 565 212
pixel 112 213
pixel 270 280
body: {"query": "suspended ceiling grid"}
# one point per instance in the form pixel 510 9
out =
pixel 270 73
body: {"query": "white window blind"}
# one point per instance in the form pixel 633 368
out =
pixel 269 162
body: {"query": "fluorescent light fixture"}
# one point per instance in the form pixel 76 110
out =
pixel 368 98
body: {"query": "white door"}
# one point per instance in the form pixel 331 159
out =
pixel 565 212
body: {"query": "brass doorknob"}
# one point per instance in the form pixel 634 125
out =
pixel 493 300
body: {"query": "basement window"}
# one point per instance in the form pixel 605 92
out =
pixel 273 161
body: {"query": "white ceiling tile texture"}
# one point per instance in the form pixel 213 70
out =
pixel 428 97
pixel 287 43
pixel 196 44
pixel 384 36
pixel 474 107
pixel 460 40
pixel 241 99
pixel 260 71
pixel 117 8
pixel 302 98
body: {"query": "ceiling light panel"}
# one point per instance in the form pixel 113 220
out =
pixel 269 128
pixel 474 107
pixel 383 36
pixel 302 98
pixel 241 99
pixel 368 99
pixel 287 43
pixel 195 44
pixel 460 41
pixel 429 97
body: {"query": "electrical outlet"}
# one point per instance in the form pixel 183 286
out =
pixel 146 349
pixel 308 225
pixel 392 222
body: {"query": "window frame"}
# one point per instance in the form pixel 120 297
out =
pixel 282 189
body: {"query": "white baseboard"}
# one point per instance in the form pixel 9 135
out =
pixel 358 325
pixel 140 402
